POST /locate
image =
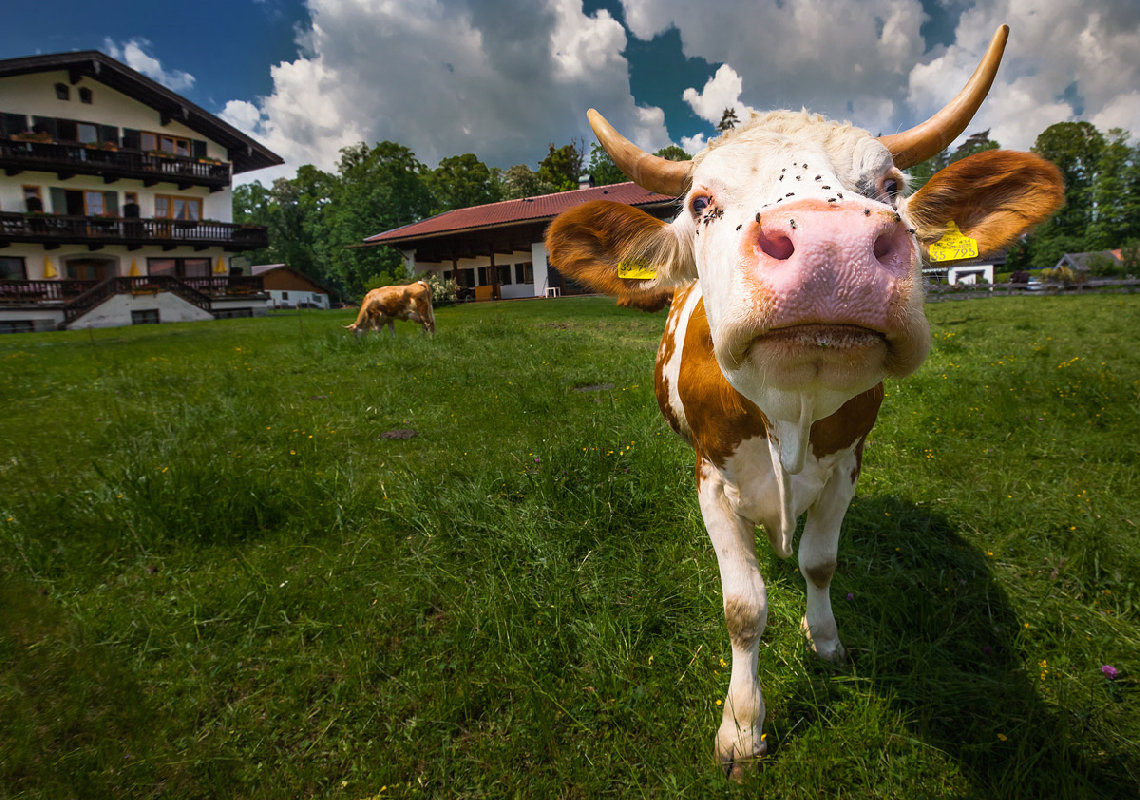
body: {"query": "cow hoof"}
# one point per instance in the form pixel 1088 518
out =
pixel 737 759
pixel 829 649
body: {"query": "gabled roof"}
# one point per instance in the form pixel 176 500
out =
pixel 245 153
pixel 511 212
pixel 1084 260
pixel 264 270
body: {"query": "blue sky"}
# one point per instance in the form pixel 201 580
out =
pixel 506 78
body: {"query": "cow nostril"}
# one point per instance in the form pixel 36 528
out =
pixel 779 248
pixel 884 244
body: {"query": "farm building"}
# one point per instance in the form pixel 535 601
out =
pixel 1083 262
pixel 115 200
pixel 496 251
pixel 288 288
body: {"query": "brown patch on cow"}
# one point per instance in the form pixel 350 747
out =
pixel 665 352
pixel 820 574
pixel 387 303
pixel 651 302
pixel 744 622
pixel 994 197
pixel 589 242
pixel 719 416
pixel 848 425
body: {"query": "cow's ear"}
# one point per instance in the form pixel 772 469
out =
pixel 993 197
pixel 619 250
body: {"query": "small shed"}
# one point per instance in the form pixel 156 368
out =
pixel 289 288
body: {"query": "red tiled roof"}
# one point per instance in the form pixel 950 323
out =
pixel 528 209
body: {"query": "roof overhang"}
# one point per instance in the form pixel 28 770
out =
pixel 245 153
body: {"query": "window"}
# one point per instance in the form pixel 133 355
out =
pixel 93 204
pixel 505 275
pixel 12 268
pixel 168 206
pixel 179 267
pixel 447 274
pixel 86 133
pixel 484 276
pixel 12 124
pixel 85 95
pixel 524 273
pixel 62 92
pixel 465 277
pixel 144 316
pixel 33 200
pixel 233 313
pixel 175 145
pixel 18 326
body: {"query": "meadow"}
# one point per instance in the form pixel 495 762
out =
pixel 229 569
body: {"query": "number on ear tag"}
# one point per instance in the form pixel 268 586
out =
pixel 636 270
pixel 954 245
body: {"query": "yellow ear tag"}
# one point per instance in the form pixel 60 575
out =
pixel 636 270
pixel 953 245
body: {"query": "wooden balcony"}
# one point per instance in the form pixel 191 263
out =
pixel 68 159
pixel 53 230
pixel 78 297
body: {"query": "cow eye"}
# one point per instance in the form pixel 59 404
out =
pixel 889 187
pixel 699 203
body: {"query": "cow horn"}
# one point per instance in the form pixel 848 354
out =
pixel 647 170
pixel 935 135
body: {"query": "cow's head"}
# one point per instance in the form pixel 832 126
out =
pixel 807 250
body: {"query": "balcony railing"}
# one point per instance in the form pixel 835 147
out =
pixel 22 293
pixel 56 229
pixel 17 155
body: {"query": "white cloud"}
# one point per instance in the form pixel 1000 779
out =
pixel 819 54
pixel 133 54
pixel 864 60
pixel 720 92
pixel 1059 65
pixel 501 79
pixel 693 144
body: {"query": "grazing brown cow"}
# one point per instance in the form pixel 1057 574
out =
pixel 797 262
pixel 386 304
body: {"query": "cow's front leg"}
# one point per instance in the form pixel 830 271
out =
pixel 817 557
pixel 739 739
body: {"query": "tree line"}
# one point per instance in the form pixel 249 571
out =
pixel 317 218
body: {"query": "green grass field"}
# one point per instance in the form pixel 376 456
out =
pixel 218 578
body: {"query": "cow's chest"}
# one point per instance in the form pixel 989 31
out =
pixel 752 490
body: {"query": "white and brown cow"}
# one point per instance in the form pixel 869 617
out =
pixel 796 259
pixel 386 304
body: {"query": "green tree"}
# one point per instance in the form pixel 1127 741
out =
pixel 461 182
pixel 253 205
pixel 1076 148
pixel 728 120
pixel 602 168
pixel 520 181
pixel 376 189
pixel 1115 194
pixel 673 153
pixel 562 166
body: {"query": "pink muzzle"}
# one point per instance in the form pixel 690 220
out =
pixel 818 262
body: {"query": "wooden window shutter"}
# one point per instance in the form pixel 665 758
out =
pixel 197 148
pixel 130 139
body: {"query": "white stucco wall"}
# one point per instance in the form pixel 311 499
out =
pixel 34 256
pixel 34 95
pixel 117 311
